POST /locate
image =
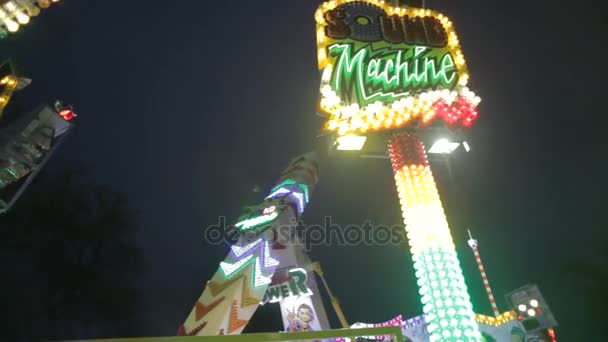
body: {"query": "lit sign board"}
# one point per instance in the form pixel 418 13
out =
pixel 384 67
pixel 291 284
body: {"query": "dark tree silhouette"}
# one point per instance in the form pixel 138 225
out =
pixel 69 261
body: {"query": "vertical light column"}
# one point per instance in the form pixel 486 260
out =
pixel 486 283
pixel 446 303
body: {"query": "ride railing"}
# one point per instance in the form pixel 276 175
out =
pixel 324 335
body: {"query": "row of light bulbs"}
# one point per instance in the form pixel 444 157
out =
pixel 9 83
pixel 445 300
pixel 496 321
pixel 454 107
pixel 15 13
pixel 503 318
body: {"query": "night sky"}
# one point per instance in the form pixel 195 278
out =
pixel 187 105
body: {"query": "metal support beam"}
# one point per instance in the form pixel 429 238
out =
pixel 271 337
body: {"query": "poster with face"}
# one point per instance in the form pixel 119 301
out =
pixel 299 314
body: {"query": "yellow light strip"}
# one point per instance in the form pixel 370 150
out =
pixel 424 218
pixel 503 318
pixel 10 83
pixel 376 116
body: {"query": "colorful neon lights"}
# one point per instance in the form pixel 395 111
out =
pixel 373 24
pixel 402 65
pixel 397 321
pixel 286 183
pixel 269 261
pixel 299 201
pixel 230 269
pixel 8 84
pixel 67 114
pixel 498 320
pixel 259 278
pixel 501 319
pixel 276 193
pixel 257 221
pixel 552 335
pixel 269 210
pixel 289 188
pixel 395 73
pixel 244 274
pixel 446 303
pixel 413 322
pixel 239 250
pixel 426 27
pixel 453 107
pixel 15 13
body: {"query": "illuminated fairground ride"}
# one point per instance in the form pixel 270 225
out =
pixel 391 76
pixel 396 75
pixel 263 265
pixel 27 138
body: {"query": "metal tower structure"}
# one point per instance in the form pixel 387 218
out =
pixel 27 138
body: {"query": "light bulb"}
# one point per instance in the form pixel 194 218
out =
pixel 10 6
pixel 44 3
pixel 22 18
pixel 33 11
pixel 11 25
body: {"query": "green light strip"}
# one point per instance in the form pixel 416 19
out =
pixel 302 186
pixel 397 72
pixel 256 221
pixel 446 302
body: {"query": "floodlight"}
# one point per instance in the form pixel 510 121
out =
pixel 351 142
pixel 443 146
